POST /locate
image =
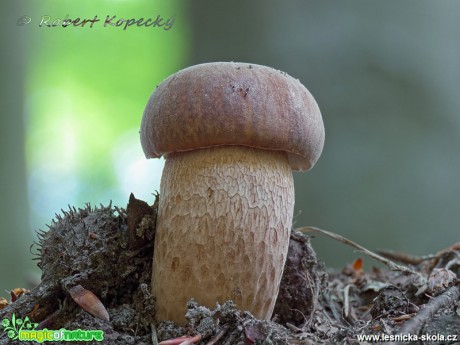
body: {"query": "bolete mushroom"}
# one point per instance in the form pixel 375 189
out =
pixel 230 134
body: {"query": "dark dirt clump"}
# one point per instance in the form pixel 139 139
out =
pixel 105 253
pixel 303 280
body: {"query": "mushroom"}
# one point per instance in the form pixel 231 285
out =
pixel 230 134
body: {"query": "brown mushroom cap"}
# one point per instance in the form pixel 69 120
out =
pixel 227 103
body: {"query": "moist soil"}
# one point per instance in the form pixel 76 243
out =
pixel 105 253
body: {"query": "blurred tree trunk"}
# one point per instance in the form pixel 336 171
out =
pixel 243 24
pixel 385 75
pixel 15 236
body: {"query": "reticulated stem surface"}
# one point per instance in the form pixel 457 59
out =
pixel 224 220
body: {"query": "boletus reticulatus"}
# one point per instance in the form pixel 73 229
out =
pixel 230 134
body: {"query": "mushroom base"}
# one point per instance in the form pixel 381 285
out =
pixel 224 221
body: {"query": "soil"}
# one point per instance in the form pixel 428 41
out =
pixel 98 259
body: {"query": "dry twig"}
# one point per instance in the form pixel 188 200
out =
pixel 414 325
pixel 218 336
pixel 393 266
pixel 415 260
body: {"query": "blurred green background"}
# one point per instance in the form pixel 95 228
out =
pixel 386 75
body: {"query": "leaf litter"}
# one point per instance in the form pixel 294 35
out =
pixel 108 251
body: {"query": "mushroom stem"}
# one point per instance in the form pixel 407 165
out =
pixel 224 220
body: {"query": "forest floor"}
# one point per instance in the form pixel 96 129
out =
pixel 107 252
